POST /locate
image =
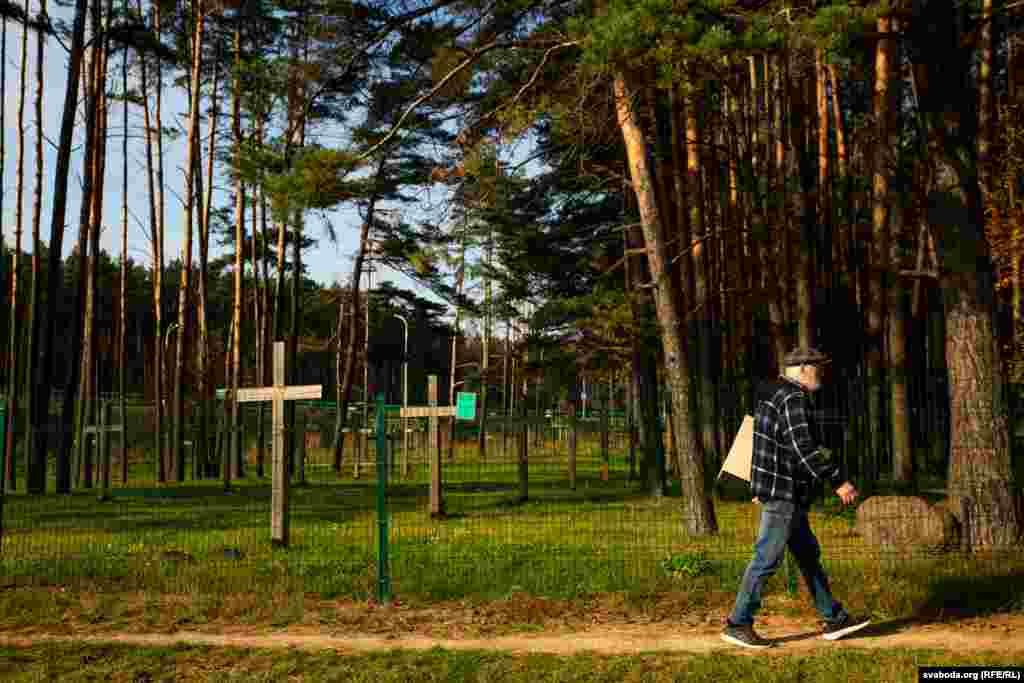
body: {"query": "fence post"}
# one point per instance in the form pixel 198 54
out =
pixel 383 578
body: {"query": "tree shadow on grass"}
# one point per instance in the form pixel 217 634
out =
pixel 951 599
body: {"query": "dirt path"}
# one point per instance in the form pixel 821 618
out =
pixel 1002 634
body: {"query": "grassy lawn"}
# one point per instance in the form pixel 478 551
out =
pixel 65 662
pixel 192 543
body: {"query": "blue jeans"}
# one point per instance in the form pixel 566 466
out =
pixel 784 523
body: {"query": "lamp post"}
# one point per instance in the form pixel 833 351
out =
pixel 405 391
pixel 160 440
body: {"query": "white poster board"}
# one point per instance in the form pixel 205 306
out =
pixel 737 463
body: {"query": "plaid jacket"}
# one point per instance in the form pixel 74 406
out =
pixel 787 460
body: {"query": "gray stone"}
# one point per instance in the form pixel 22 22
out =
pixel 906 523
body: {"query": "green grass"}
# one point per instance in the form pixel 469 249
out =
pixel 115 663
pixel 606 537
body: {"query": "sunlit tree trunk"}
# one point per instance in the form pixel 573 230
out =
pixel 19 194
pixel 235 449
pixel 157 240
pixel 36 305
pixel 122 328
pixel 92 355
pixel 177 445
pixel 880 216
pixel 265 321
pixel 698 511
pixel 202 457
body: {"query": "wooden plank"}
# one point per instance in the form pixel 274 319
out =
pixel 250 395
pixel 427 411
pixel 304 392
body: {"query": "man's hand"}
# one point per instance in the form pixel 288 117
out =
pixel 847 493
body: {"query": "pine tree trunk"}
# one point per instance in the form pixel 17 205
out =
pixel 878 406
pixel 44 378
pixel 122 328
pixel 202 457
pixel 986 102
pixel 177 445
pixel 98 196
pixel 698 513
pixel 783 311
pixel 803 213
pixel 156 234
pixel 902 450
pixel 979 462
pixel 37 208
pixel 163 448
pixel 235 449
pixel 265 329
pixel 19 219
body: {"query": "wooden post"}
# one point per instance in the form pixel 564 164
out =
pixel 104 451
pixel 572 443
pixel 436 499
pixel 98 434
pixel 302 451
pixel 279 467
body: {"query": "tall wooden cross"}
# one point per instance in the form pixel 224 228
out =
pixel 433 411
pixel 279 393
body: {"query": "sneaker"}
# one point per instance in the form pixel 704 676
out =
pixel 844 627
pixel 744 636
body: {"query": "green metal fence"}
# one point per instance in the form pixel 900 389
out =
pixel 521 515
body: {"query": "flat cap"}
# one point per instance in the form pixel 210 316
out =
pixel 806 355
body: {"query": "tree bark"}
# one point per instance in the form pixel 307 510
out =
pixel 986 103
pixel 235 448
pixel 122 328
pixel 157 239
pixel 879 262
pixel 37 204
pixel 699 514
pixel 979 463
pixel 96 222
pixel 802 215
pixel 19 220
pixel 348 373
pixel 44 378
pixel 177 445
pixel 202 458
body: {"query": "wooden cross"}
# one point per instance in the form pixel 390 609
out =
pixel 103 447
pixel 279 393
pixel 433 411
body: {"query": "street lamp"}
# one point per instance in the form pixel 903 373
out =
pixel 167 338
pixel 405 390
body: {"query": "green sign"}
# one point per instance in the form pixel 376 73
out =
pixel 465 406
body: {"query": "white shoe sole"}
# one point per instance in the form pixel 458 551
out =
pixel 836 635
pixel 736 641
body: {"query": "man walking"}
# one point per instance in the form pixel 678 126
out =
pixel 786 466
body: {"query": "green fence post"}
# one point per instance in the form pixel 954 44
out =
pixel 383 578
pixel 790 574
